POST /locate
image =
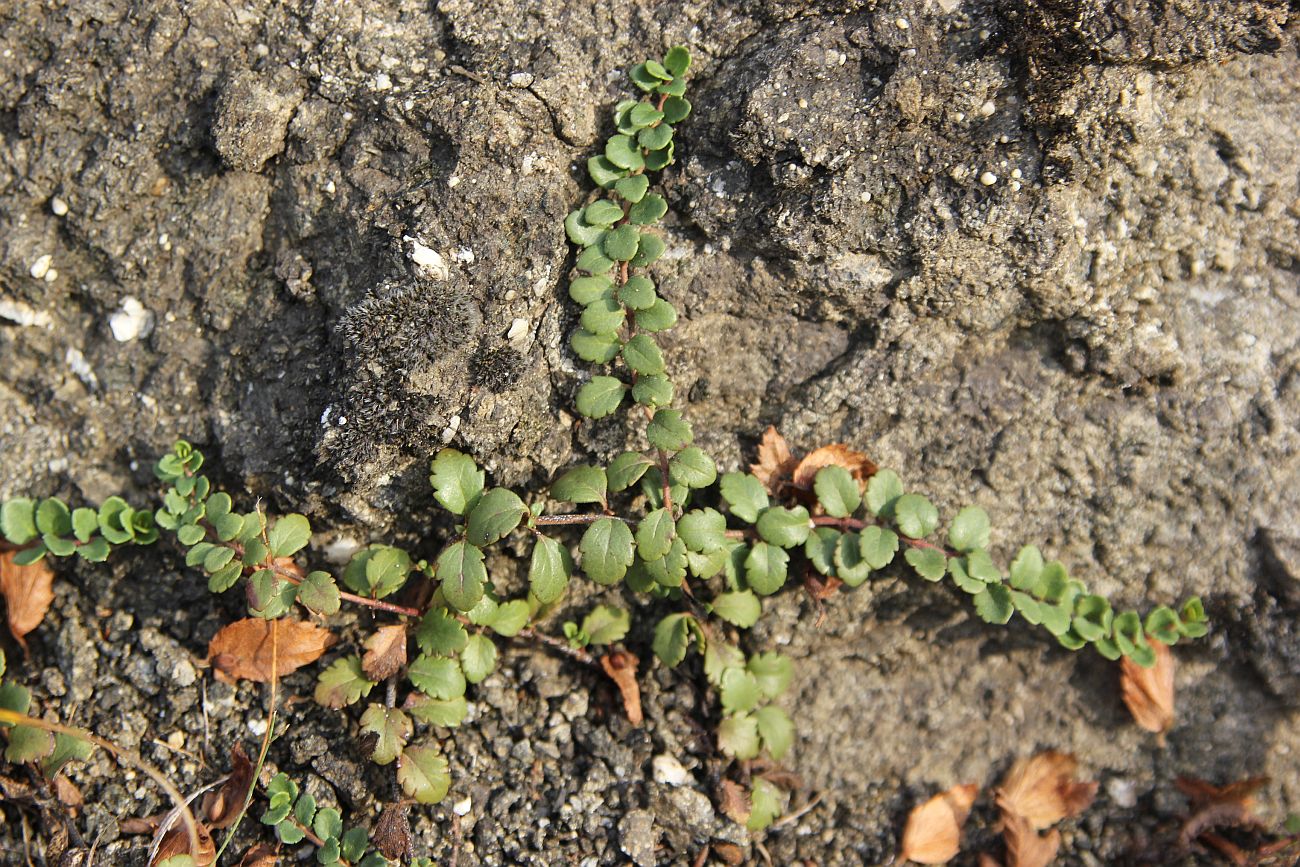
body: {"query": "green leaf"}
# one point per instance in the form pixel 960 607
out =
pixel 343 683
pixel 883 492
pixel 587 290
pixel 916 516
pixel 653 139
pixel 423 774
pixel 581 485
pixel 27 744
pixel 837 491
pixel 969 530
pixel 497 513
pixel 1054 618
pixel 66 749
pixel 787 528
pixel 1027 568
pixel 510 617
pixel 606 549
pixel 59 547
pixel 633 188
pixel 84 523
pixel 656 69
pixel 693 468
pixel 673 636
pixel 354 843
pixel 653 391
pixel 600 396
pixel 980 566
pixel 289 535
pixel 622 151
pixel 580 232
pixel 766 802
pixel 16 698
pixel 223 579
pixel 437 676
pixel 548 571
pixel 651 208
pixel 462 573
pixel 929 563
pixel 677 61
pixel 703 530
pixel 765 568
pixel 638 293
pixel 606 624
pixel 96 551
pixel 644 114
pixel 190 534
pixel 668 430
pixel 457 481
pixel 774 672
pixel 437 711
pixel 676 108
pixel 621 243
pixel 386 570
pixel 719 658
pixel 670 569
pixel 392 729
pixel 776 730
pixel 1093 618
pixel 626 470
pixel 18 520
pixel 878 546
pixel 738 737
pixel 820 548
pixel 28 556
pixel 739 691
pixel 216 558
pixel 745 495
pixel 739 609
pixel 604 173
pixel 602 212
pixel 652 247
pixel 1029 607
pixel 642 354
pixel 660 317
pixel 53 517
pixel 478 659
pixel 318 593
pixel 654 535
pixel 603 316
pixel 993 603
pixel 642 78
pixel 962 578
pixel 440 634
pixel 850 566
pixel 594 262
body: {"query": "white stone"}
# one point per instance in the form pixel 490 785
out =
pixel 463 806
pixel 429 259
pixel 901 23
pixel 988 107
pixel 669 771
pixel 988 179
pixel 518 328
pixel 521 79
pixel 41 266
pixel 58 207
pixel 383 82
pixel 131 321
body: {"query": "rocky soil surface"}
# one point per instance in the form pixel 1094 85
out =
pixel 1039 256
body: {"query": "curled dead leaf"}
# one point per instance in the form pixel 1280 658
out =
pixel 68 794
pixel 243 649
pixel 775 463
pixel 859 465
pixel 1149 692
pixel 1025 846
pixel 177 842
pixel 734 802
pixel 933 831
pixel 222 806
pixel 385 652
pixel 1230 806
pixel 621 667
pixel 28 592
pixel 1042 789
pixel 261 855
pixel 392 835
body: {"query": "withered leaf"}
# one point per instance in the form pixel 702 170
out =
pixel 222 806
pixel 775 463
pixel 243 649
pixel 730 853
pixel 987 860
pixel 261 855
pixel 1214 806
pixel 392 835
pixel 385 652
pixel 933 831
pixel 859 465
pixel 68 793
pixel 1149 692
pixel 1042 789
pixel 734 802
pixel 1025 846
pixel 177 842
pixel 28 592
pixel 621 668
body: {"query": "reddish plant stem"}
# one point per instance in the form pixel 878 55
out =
pixel 377 604
pixel 559 645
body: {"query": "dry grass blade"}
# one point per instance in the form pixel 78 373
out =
pixel 933 831
pixel 775 463
pixel 1025 846
pixel 859 465
pixel 1149 692
pixel 385 652
pixel 1042 789
pixel 621 668
pixel 28 592
pixel 243 649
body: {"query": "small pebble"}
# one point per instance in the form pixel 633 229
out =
pixel 41 266
pixel 463 806
pixel 383 82
pixel 988 179
pixel 131 321
pixel 517 329
pixel 521 79
pixel 58 207
pixel 669 771
pixel 988 107
pixel 901 23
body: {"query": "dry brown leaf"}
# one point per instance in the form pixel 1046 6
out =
pixel 177 842
pixel 385 652
pixel 1025 846
pixel 933 831
pixel 261 855
pixel 1149 692
pixel 242 650
pixel 28 592
pixel 729 853
pixel 1230 806
pixel 775 463
pixel 621 667
pixel 735 802
pixel 834 455
pixel 987 860
pixel 392 835
pixel 1043 790
pixel 222 806
pixel 68 793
